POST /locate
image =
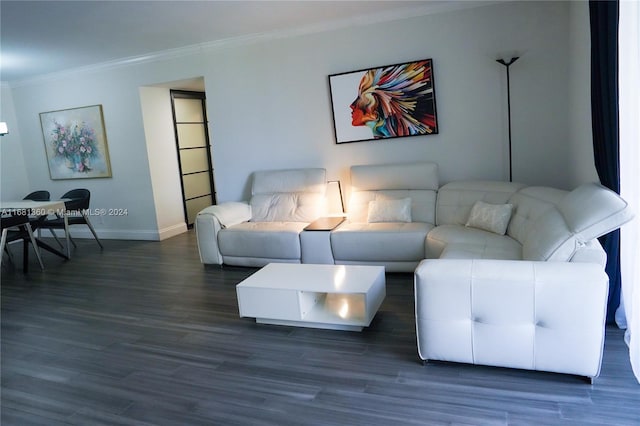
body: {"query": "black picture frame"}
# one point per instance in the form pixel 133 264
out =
pixel 384 102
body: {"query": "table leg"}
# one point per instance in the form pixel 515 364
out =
pixel 32 238
pixel 66 233
pixel 25 255
pixel 51 249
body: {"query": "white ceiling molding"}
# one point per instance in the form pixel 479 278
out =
pixel 435 7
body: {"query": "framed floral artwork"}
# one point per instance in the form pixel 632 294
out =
pixel 384 102
pixel 76 143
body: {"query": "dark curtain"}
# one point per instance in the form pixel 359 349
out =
pixel 604 117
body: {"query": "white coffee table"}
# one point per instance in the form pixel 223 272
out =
pixel 339 297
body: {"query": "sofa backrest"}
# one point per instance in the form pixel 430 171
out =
pixel 294 195
pixel 455 199
pixel 552 224
pixel 536 222
pixel 606 211
pixel 418 181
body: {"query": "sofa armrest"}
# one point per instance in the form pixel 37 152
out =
pixel 210 221
pixel 590 252
pixel 230 213
pixel 546 316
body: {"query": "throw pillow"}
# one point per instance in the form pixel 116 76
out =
pixel 490 217
pixel 389 210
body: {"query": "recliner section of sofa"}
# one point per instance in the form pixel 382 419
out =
pixel 399 246
pixel 266 228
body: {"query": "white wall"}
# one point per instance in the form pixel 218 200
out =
pixel 163 162
pixel 268 107
pixel 130 186
pixel 14 181
pixel 581 167
pixel 279 95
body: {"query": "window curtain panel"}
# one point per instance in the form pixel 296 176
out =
pixel 628 313
pixel 604 117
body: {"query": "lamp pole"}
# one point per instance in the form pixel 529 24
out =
pixel 507 65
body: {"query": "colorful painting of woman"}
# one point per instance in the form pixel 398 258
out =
pixel 392 101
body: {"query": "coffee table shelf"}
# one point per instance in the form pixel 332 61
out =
pixel 341 297
pixel 331 307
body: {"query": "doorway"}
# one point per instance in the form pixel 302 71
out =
pixel 194 152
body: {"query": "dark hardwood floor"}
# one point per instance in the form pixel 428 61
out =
pixel 142 334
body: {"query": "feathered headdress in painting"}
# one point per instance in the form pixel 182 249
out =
pixel 397 100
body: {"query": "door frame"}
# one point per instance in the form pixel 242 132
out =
pixel 187 94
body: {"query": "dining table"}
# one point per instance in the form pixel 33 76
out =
pixel 39 210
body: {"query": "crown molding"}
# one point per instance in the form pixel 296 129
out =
pixel 436 7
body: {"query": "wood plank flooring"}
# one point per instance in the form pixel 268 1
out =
pixel 142 334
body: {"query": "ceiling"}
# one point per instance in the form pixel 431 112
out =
pixel 43 37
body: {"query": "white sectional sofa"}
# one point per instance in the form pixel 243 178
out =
pixel 505 274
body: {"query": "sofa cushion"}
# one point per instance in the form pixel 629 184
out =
pixel 490 217
pixel 389 210
pixel 455 199
pixel 380 242
pixel 294 195
pixel 442 236
pixel 418 181
pixel 274 240
pixel 591 210
pixel 529 204
pixel 539 226
pixel 287 207
pixel 480 251
pixel 549 238
pixel 422 204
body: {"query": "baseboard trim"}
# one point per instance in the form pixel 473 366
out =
pixel 172 231
pixel 123 234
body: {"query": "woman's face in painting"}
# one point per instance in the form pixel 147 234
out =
pixel 363 110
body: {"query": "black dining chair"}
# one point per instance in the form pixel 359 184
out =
pixel 14 228
pixel 41 195
pixel 76 204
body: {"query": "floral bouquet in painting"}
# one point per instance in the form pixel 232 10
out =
pixel 76 143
